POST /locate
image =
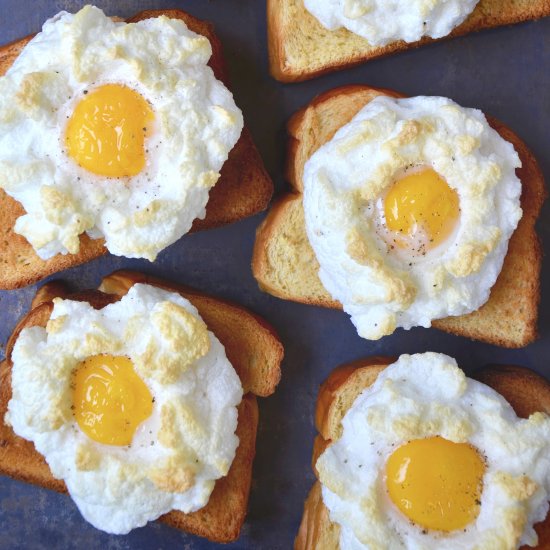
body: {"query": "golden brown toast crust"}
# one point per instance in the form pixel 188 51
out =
pixel 222 518
pixel 316 531
pixel 508 319
pixel 244 187
pixel 524 389
pixel 296 38
pixel 338 392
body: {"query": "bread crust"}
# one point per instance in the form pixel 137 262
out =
pixel 524 389
pixel 268 232
pixel 339 391
pixel 295 37
pixel 316 531
pixel 254 350
pixel 507 319
pixel 244 188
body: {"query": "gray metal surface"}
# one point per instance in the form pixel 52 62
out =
pixel 505 72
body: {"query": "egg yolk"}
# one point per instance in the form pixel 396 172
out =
pixel 436 483
pixel 107 131
pixel 421 206
pixel 109 399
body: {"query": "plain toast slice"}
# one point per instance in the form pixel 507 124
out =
pixel 285 265
pixel 301 48
pixel 252 347
pixel 525 390
pixel 244 187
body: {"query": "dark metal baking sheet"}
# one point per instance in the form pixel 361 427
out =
pixel 505 72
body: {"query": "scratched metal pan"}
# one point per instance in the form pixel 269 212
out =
pixel 505 72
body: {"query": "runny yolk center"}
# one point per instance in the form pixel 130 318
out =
pixel 436 483
pixel 109 399
pixel 107 130
pixel 421 210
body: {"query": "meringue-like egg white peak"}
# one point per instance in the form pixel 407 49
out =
pixel 115 130
pixel 384 21
pixel 134 406
pixel 429 458
pixel 409 209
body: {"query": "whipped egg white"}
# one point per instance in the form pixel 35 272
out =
pixel 423 406
pixel 133 406
pixel 115 130
pixel 409 209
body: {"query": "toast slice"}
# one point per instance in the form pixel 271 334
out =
pixel 252 347
pixel 285 265
pixel 301 48
pixel 244 187
pixel 525 390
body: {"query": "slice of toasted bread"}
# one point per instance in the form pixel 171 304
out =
pixel 525 390
pixel 285 265
pixel 244 187
pixel 301 48
pixel 252 347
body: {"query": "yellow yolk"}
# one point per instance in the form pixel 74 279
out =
pixel 110 400
pixel 107 131
pixel 436 483
pixel 421 206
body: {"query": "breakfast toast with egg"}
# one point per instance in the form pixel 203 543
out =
pixel 301 48
pixel 252 347
pixel 285 265
pixel 244 187
pixel 525 390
